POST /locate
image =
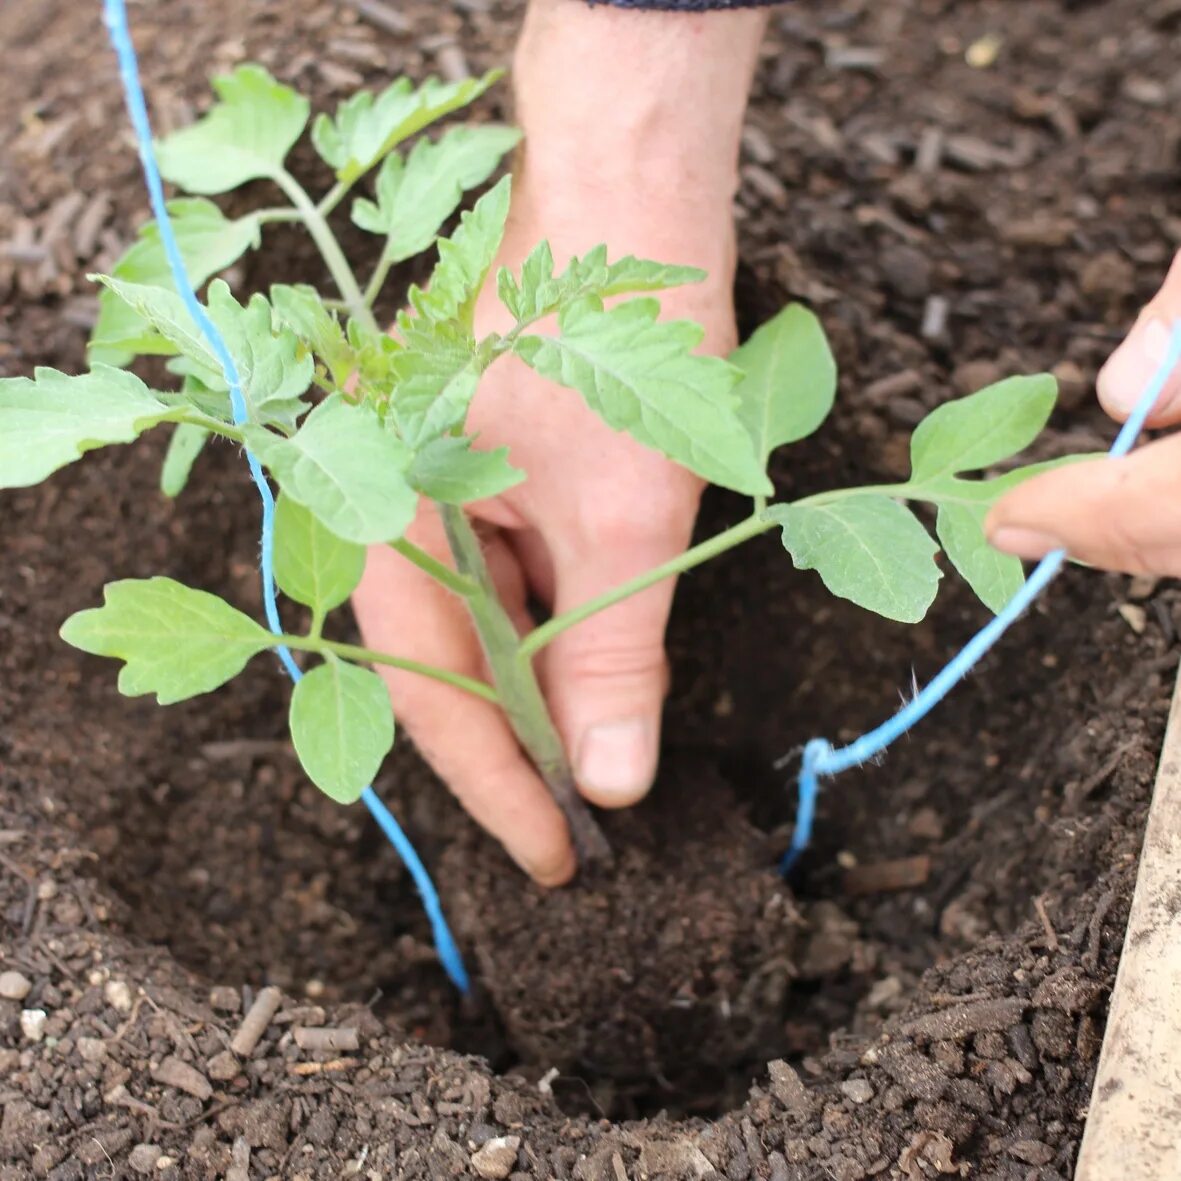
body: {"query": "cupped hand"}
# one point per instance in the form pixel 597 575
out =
pixel 596 509
pixel 1118 514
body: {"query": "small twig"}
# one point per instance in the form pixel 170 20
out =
pixel 1039 904
pixel 255 1023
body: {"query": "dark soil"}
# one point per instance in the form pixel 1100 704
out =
pixel 159 867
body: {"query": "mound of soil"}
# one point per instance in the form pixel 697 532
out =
pixel 927 995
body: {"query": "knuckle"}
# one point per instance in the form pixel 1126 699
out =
pixel 616 660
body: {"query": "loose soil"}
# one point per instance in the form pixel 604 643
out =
pixel 927 995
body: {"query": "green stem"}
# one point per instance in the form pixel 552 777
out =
pixel 377 279
pixel 465 587
pixel 516 684
pixel 751 527
pixel 329 247
pixel 356 653
pixel 332 198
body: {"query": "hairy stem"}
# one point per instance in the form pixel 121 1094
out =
pixel 354 652
pixel 520 695
pixel 377 279
pixel 325 240
pixel 459 583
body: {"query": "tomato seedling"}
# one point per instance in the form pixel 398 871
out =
pixel 355 424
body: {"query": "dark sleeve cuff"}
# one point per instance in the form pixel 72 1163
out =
pixel 685 5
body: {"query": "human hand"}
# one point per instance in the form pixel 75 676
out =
pixel 609 157
pixel 1117 514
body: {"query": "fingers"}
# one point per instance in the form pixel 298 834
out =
pixel 466 740
pixel 606 678
pixel 1132 366
pixel 1117 514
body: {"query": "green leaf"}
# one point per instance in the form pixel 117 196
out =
pixel 273 369
pixel 245 136
pixel 186 444
pixel 464 262
pixel 540 292
pixel 789 379
pixel 995 577
pixel 208 241
pixel 177 642
pixel 981 429
pixel 342 727
pixel 415 196
pixel 50 420
pixel 985 493
pixel 366 126
pixel 640 375
pixel 435 378
pixel 301 309
pixel 346 467
pixel 312 565
pixel 448 470
pixel 866 548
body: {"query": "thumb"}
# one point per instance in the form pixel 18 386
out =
pixel 1117 514
pixel 1132 366
pixel 606 677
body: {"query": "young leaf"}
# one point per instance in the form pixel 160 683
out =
pixel 464 261
pixel 271 367
pixel 245 136
pixel 415 196
pixel 449 471
pixel 982 429
pixel 540 292
pixel 866 548
pixel 186 444
pixel 52 419
pixel 209 242
pixel 641 375
pixel 177 642
pixel 346 467
pixel 312 565
pixel 366 126
pixel 995 577
pixel 342 727
pixel 300 309
pixel 789 379
pixel 435 378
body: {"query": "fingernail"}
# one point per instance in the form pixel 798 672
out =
pixel 1025 543
pixel 617 760
pixel 1132 366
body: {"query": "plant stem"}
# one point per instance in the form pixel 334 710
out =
pixel 332 198
pixel 329 247
pixel 355 652
pixel 516 684
pixel 377 279
pixel 744 531
pixel 461 585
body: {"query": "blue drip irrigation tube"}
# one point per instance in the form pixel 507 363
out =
pixel 115 14
pixel 822 761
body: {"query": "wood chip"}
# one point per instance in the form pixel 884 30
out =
pixel 881 877
pixel 340 1040
pixel 382 16
pixel 959 1021
pixel 337 1065
pixel 172 1072
pixel 255 1023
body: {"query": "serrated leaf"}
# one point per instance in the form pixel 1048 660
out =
pixel 981 429
pixel 51 419
pixel 464 262
pixel 434 380
pixel 186 444
pixel 272 368
pixel 415 196
pixel 789 379
pixel 995 577
pixel 342 728
pixel 641 375
pixel 866 548
pixel 301 309
pixel 346 467
pixel 245 136
pixel 208 241
pixel 312 565
pixel 367 126
pixel 539 292
pixel 449 471
pixel 176 642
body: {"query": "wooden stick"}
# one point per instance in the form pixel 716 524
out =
pixel 1133 1131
